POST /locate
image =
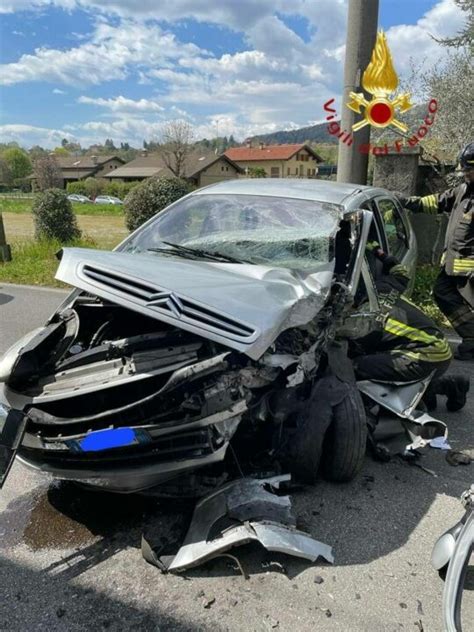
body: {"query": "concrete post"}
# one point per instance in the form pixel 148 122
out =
pixel 362 23
pixel 400 172
pixel 397 171
pixel 5 251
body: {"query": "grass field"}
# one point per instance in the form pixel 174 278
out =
pixel 35 263
pixel 24 206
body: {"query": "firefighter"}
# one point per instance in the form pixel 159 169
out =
pixel 454 288
pixel 410 346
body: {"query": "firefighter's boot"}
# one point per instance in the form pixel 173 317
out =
pixel 455 387
pixel 465 351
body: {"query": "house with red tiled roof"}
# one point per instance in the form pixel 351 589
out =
pixel 278 161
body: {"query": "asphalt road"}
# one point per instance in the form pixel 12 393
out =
pixel 71 560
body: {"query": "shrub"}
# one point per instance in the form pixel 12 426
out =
pixel 151 197
pixel 24 184
pixel 257 172
pixel 79 187
pixel 94 187
pixel 53 216
pixel 422 293
pixel 120 189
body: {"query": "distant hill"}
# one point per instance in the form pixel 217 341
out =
pixel 319 133
pixel 313 134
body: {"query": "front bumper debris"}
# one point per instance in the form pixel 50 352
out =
pixel 255 513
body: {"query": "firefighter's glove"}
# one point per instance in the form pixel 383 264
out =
pixel 372 245
pixel 374 248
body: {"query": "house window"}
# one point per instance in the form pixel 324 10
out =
pixel 275 172
pixel 287 171
pixel 222 167
pixel 301 170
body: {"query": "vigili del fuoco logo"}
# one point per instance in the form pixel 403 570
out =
pixel 380 80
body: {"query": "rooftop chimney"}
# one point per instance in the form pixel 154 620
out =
pixel 94 159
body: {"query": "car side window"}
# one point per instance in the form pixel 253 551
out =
pixel 395 230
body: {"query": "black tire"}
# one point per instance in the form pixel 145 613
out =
pixel 306 453
pixel 345 441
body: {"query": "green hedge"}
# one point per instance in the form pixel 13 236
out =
pixel 98 186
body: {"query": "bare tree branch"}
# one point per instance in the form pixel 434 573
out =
pixel 465 36
pixel 177 137
pixel 47 173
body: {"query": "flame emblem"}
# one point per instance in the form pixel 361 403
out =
pixel 380 80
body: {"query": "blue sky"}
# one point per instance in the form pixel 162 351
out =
pixel 94 69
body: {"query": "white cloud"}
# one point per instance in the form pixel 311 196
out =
pixel 121 104
pixel 416 41
pixel 113 53
pixel 280 82
pixel 29 135
pixel 58 91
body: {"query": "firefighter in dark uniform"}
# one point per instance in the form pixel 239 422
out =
pixel 410 346
pixel 454 288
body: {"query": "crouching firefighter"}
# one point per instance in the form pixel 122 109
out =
pixel 410 346
pixel 454 288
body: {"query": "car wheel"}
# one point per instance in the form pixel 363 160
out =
pixel 345 441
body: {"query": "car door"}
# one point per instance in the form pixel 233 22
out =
pixel 400 241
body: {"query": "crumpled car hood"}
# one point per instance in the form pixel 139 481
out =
pixel 244 307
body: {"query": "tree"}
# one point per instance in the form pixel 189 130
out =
pixel 37 152
pixel 465 36
pixel 6 177
pixel 150 197
pixel 61 151
pixel 177 137
pixel 47 172
pixel 452 85
pixel 18 162
pixel 94 187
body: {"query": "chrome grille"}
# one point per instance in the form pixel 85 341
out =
pixel 170 303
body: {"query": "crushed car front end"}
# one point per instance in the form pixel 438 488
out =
pixel 148 369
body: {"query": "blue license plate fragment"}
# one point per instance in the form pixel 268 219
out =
pixel 107 439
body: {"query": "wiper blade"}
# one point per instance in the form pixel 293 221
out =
pixel 196 252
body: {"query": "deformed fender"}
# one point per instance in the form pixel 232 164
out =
pixel 256 513
pixel 402 399
pixel 453 588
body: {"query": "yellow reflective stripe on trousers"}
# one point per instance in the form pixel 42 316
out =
pixel 463 265
pixel 426 357
pixel 437 349
pixel 430 204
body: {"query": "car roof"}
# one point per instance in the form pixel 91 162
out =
pixel 301 188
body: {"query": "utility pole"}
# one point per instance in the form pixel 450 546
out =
pixel 362 23
pixel 5 251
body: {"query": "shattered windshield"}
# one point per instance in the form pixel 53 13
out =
pixel 265 230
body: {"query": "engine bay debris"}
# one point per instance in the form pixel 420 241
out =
pixel 239 512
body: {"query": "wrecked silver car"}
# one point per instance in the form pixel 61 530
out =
pixel 208 343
